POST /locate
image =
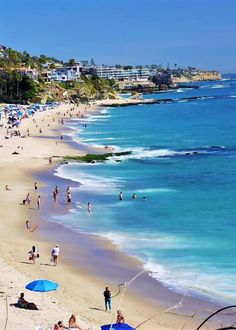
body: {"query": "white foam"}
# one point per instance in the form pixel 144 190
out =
pixel 155 190
pixel 205 282
pixel 88 182
pixel 141 153
pixel 132 242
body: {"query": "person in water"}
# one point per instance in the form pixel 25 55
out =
pixel 89 207
pixel 134 196
pixel 121 196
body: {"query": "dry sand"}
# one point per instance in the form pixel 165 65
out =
pixel 80 292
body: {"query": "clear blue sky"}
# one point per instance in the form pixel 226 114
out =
pixel 200 33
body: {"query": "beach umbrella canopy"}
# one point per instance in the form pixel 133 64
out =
pixel 42 286
pixel 117 326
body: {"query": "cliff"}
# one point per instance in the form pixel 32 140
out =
pixel 198 76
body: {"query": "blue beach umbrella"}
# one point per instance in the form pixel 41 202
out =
pixel 42 286
pixel 117 326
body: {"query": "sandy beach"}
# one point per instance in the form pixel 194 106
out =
pixel 83 270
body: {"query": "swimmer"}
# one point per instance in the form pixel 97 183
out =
pixel 121 196
pixel 134 196
pixel 89 207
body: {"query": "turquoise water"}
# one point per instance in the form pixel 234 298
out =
pixel 185 228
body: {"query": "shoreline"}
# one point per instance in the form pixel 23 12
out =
pixel 138 311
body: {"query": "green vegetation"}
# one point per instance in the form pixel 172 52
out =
pixel 93 158
pixel 16 86
pixel 93 88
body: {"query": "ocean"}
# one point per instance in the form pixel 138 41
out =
pixel 182 168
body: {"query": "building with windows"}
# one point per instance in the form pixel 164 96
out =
pixel 65 73
pixel 120 74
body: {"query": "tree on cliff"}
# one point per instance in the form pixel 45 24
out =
pixel 162 80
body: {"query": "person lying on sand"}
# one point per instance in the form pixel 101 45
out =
pixel 22 303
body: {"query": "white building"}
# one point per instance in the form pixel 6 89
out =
pixel 117 74
pixel 66 73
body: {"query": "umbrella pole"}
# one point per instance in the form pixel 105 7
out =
pixel 42 301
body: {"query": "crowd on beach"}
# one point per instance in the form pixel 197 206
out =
pixel 13 116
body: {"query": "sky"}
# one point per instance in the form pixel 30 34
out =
pixel 199 33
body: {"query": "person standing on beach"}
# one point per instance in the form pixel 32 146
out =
pixel 35 187
pixel 56 190
pixel 68 198
pixel 38 202
pixel 107 298
pixel 55 196
pixel 55 254
pixel 50 160
pixel 28 199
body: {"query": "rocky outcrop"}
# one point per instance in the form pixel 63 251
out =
pixel 198 76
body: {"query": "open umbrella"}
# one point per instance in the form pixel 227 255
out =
pixel 42 286
pixel 117 326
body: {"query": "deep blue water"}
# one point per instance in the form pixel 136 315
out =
pixel 185 229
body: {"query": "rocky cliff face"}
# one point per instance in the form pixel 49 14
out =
pixel 198 76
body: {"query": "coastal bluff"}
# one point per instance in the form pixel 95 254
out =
pixel 198 76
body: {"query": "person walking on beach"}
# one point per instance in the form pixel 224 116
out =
pixel 35 187
pixel 50 160
pixel 107 298
pixel 33 254
pixel 55 254
pixel 56 190
pixel 55 196
pixel 38 202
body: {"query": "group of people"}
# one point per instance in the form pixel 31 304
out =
pixel 34 254
pixel 27 199
pixel 134 196
pixel 107 298
pixel 72 324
